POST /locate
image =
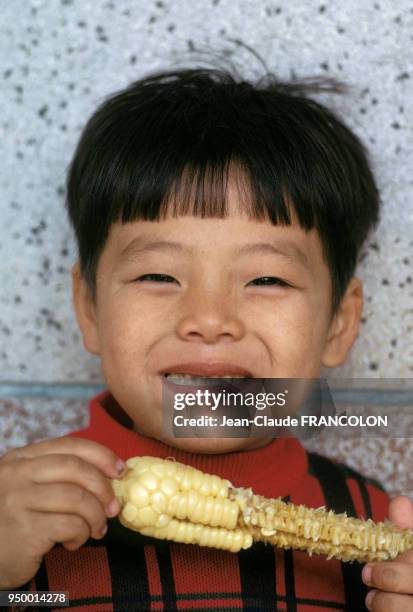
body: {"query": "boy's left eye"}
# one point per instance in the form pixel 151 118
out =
pixel 157 277
pixel 269 281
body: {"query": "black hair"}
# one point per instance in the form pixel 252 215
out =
pixel 163 132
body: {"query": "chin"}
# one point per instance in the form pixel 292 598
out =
pixel 212 446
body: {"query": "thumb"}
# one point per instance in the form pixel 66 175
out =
pixel 401 512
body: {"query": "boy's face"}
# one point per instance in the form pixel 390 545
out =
pixel 212 306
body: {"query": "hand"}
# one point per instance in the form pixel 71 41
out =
pixel 393 579
pixel 53 491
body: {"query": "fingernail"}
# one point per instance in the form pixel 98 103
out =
pixel 104 531
pixel 369 599
pixel 366 573
pixel 113 508
pixel 120 466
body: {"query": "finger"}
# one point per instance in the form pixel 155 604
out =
pixel 391 576
pixel 406 557
pixel 66 499
pixel 401 512
pixel 73 469
pixel 100 456
pixel 377 601
pixel 71 530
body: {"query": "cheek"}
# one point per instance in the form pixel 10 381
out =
pixel 295 336
pixel 126 333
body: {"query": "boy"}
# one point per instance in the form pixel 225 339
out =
pixel 178 275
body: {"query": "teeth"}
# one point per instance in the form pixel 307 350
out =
pixel 189 379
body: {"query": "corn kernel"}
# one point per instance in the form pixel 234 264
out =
pixel 158 501
pixel 138 495
pixel 149 480
pixel 130 512
pixel 168 486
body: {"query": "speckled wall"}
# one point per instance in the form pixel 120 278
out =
pixel 59 59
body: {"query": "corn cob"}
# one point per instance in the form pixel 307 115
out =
pixel 165 499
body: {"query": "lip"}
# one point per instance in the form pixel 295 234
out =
pixel 202 368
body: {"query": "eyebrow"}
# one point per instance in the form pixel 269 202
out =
pixel 285 249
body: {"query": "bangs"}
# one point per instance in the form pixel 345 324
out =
pixel 202 191
pixel 176 153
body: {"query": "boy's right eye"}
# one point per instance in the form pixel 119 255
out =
pixel 156 277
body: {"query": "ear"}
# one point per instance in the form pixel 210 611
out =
pixel 85 311
pixel 344 326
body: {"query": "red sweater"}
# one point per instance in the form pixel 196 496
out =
pixel 126 571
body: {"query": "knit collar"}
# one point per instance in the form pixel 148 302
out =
pixel 272 470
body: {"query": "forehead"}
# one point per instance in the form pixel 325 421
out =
pixel 236 235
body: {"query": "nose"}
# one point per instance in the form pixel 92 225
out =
pixel 210 317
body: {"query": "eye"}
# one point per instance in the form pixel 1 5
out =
pixel 162 278
pixel 269 281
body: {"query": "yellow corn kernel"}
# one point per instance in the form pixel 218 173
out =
pixel 168 500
